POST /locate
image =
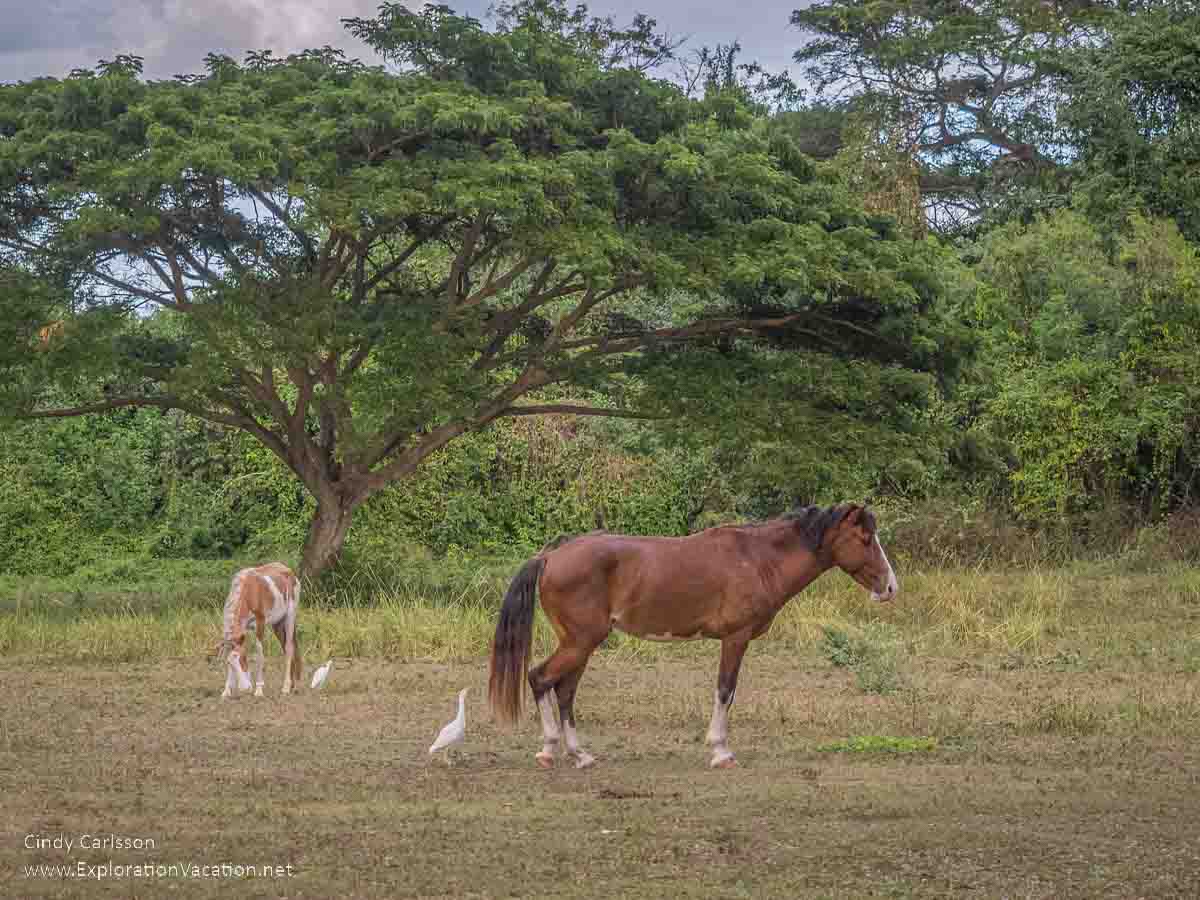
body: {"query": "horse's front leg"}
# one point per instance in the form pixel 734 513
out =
pixel 565 689
pixel 733 648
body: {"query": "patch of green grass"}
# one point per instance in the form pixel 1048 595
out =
pixel 879 743
pixel 839 648
pixel 872 654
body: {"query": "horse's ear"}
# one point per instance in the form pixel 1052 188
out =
pixel 861 517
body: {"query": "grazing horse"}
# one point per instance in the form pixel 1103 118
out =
pixel 725 583
pixel 262 596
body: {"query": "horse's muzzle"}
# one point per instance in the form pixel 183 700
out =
pixel 889 592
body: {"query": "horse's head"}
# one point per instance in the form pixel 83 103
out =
pixel 235 659
pixel 855 549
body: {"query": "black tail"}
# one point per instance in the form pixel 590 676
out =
pixel 513 642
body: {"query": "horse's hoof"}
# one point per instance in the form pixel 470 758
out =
pixel 723 762
pixel 258 692
pixel 585 761
pixel 545 760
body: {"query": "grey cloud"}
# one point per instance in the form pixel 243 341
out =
pixel 51 37
pixel 173 36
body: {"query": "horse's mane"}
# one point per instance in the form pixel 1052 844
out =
pixel 229 619
pixel 812 522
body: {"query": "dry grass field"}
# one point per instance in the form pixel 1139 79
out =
pixel 1042 746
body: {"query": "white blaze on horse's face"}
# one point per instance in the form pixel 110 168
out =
pixel 891 586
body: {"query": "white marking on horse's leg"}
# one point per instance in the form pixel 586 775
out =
pixel 259 662
pixel 548 705
pixel 718 733
pixel 243 677
pixel 582 758
pixel 230 681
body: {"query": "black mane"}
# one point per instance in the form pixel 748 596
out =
pixel 812 522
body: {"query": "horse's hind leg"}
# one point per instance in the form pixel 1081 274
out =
pixel 290 675
pixel 259 682
pixel 289 652
pixel 543 680
pixel 260 632
pixel 565 689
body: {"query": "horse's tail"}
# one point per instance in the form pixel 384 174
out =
pixel 513 642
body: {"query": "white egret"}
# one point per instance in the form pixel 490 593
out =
pixel 452 733
pixel 321 674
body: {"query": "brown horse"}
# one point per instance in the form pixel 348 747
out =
pixel 725 583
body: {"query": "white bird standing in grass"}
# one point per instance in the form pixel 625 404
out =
pixel 321 674
pixel 453 733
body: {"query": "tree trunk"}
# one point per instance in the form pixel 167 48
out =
pixel 326 534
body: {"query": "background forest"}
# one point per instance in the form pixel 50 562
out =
pixel 1039 160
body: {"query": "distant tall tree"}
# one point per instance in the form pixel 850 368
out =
pixel 976 83
pixel 357 267
pixel 713 70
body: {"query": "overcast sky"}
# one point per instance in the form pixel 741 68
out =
pixel 51 37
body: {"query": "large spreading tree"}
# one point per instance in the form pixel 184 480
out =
pixel 356 265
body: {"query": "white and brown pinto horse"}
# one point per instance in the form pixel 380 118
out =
pixel 260 596
pixel 725 583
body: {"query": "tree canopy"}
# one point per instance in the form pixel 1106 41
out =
pixel 356 266
pixel 973 87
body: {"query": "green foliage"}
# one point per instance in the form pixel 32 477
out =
pixel 356 266
pixel 871 654
pixel 155 486
pixel 1094 356
pixel 879 743
pixel 357 277
pixel 971 89
pixel 515 487
pixel 839 649
pixel 1133 114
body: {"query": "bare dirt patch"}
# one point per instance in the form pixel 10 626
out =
pixel 1041 783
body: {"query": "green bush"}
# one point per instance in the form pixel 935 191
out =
pixel 873 655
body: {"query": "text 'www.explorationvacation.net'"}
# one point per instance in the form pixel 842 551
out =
pixel 86 871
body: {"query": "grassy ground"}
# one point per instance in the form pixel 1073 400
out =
pixel 1027 734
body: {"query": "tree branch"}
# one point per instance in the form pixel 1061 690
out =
pixel 423 238
pixel 302 236
pixel 574 410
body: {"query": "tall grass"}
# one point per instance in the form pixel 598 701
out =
pixel 447 611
